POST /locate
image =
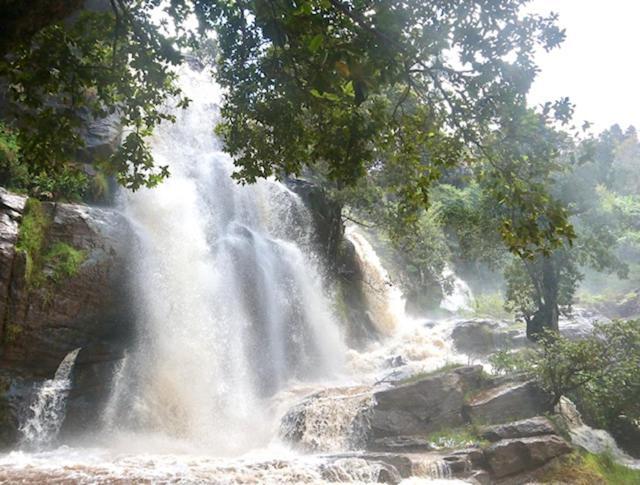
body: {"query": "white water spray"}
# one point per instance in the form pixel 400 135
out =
pixel 459 297
pixel 384 300
pixel 46 413
pixel 229 298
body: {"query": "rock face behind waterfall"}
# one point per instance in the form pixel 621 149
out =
pixel 340 259
pixel 41 323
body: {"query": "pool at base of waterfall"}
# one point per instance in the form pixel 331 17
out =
pixel 269 466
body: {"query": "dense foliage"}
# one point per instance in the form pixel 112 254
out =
pixel 410 87
pixel 599 372
pixel 414 113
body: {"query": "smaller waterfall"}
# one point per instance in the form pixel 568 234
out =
pixel 330 420
pixel 47 412
pixel 592 440
pixel 459 297
pixel 385 301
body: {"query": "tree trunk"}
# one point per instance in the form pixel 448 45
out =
pixel 548 313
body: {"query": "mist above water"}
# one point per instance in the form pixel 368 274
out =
pixel 228 294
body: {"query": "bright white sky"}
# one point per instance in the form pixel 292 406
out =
pixel 598 65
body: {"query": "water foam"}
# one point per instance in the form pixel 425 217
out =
pixel 44 419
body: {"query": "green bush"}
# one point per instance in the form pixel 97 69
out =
pixel 491 305
pixel 600 373
pixel 66 182
pixel 462 437
pixel 59 259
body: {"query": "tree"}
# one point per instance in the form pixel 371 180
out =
pixel 599 372
pixel 335 82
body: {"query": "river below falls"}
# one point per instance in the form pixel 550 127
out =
pixel 269 466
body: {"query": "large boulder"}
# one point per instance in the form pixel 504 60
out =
pixel 419 408
pixel 68 306
pixel 518 429
pixel 479 337
pixel 519 455
pixel 508 402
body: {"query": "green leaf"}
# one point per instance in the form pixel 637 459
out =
pixel 315 43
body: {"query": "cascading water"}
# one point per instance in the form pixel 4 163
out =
pixel 46 413
pixel 229 296
pixel 459 296
pixel 234 330
pixel 591 439
pixel 384 300
pixel 412 345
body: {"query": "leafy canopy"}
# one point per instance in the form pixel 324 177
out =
pixel 345 86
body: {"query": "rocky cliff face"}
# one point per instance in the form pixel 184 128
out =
pixel 71 295
pixel 340 258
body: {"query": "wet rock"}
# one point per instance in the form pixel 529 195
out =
pixel 509 457
pixel 480 477
pixel 101 136
pixel 389 475
pixel 580 323
pixel 625 306
pixel 404 444
pixel 393 467
pixel 340 259
pixel 518 429
pixel 402 464
pixel 483 337
pixel 43 322
pixel 508 402
pixel 11 208
pixel 422 407
pixel 474 456
pixel 326 214
pixel 395 361
pixel 91 385
pixel 15 391
pixel 329 420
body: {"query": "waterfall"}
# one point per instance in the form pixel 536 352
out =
pixel 228 294
pixel 459 297
pixel 330 420
pixel 47 411
pixel 385 301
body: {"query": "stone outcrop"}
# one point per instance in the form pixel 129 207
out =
pixel 42 322
pixel 399 419
pixel 11 209
pixel 507 402
pixel 479 337
pixel 43 319
pixel 420 408
pixel 524 428
pixel 518 455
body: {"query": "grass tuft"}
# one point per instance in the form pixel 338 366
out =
pixel 582 468
pixel 32 240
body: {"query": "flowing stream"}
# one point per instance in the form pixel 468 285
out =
pixel 234 329
pixel 46 414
